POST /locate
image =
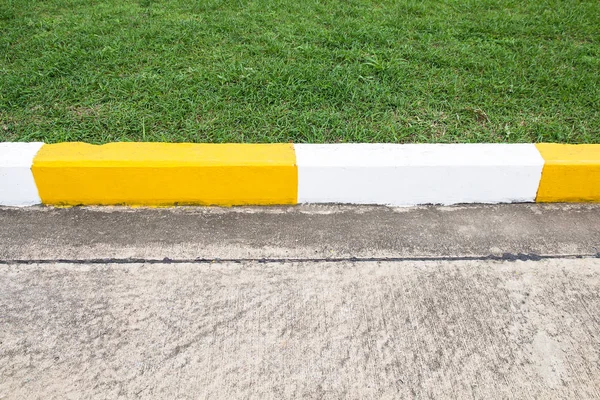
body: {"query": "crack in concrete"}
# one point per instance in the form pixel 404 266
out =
pixel 511 257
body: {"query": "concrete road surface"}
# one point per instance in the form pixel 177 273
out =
pixel 303 302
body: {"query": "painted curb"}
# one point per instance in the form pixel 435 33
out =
pixel 418 173
pixel 571 173
pixel 17 186
pixel 161 174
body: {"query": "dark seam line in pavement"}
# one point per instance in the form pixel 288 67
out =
pixel 503 257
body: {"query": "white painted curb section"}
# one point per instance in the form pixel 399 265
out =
pixel 17 186
pixel 412 174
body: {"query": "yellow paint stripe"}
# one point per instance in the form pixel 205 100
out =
pixel 166 174
pixel 571 173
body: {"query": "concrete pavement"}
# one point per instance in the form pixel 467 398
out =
pixel 305 232
pixel 301 302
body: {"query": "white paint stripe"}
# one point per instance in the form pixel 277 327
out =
pixel 414 174
pixel 17 186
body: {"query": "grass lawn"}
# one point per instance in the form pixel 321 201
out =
pixel 300 70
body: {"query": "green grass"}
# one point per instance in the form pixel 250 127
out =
pixel 300 70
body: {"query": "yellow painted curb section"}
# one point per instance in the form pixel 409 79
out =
pixel 571 173
pixel 160 174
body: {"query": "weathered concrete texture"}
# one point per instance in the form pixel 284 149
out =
pixel 312 329
pixel 310 231
pixel 460 329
